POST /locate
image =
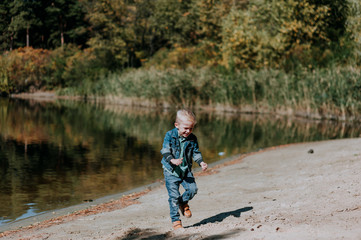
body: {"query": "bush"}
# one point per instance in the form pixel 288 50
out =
pixel 57 65
pixel 68 66
pixel 24 67
pixel 5 86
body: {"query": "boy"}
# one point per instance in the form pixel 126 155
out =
pixel 179 147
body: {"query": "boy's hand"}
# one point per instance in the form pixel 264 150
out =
pixel 204 166
pixel 177 162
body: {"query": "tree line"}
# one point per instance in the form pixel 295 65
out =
pixel 61 43
pixel 129 32
pixel 42 24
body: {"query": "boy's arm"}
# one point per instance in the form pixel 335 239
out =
pixel 166 150
pixel 167 153
pixel 197 156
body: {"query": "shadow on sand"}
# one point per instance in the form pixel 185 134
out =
pixel 150 234
pixel 221 216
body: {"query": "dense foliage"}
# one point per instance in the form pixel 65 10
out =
pixel 41 24
pixel 76 44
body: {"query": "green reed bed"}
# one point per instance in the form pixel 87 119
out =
pixel 322 93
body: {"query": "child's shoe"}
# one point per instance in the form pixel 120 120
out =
pixel 184 208
pixel 177 225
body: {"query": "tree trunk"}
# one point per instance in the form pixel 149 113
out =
pixel 11 42
pixel 62 39
pixel 27 37
pixel 61 26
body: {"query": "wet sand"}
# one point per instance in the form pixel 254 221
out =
pixel 301 191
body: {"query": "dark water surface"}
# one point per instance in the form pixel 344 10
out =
pixel 57 154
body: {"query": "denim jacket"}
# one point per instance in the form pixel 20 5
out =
pixel 171 150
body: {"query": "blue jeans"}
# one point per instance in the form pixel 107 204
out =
pixel 175 198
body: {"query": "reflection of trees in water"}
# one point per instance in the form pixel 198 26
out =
pixel 86 154
pixel 96 126
pixel 65 152
pixel 245 133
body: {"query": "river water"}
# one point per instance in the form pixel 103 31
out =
pixel 62 153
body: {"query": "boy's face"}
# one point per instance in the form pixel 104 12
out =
pixel 185 127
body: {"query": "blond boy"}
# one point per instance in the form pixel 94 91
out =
pixel 180 146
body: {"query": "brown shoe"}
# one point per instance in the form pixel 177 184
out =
pixel 184 208
pixel 177 225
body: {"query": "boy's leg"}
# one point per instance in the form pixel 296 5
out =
pixel 172 184
pixel 190 187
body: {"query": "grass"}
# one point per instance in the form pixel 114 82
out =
pixel 332 93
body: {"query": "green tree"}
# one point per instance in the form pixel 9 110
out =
pixel 175 22
pixel 352 37
pixel 5 19
pixel 108 20
pixel 211 14
pixel 22 21
pixel 338 12
pixel 268 32
pixel 144 42
pixel 42 24
pixel 65 23
pixel 210 17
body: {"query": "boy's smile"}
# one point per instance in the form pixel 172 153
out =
pixel 185 127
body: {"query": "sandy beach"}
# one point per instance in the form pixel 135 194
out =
pixel 301 191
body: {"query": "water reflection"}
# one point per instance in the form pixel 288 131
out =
pixel 60 153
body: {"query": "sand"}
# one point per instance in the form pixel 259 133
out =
pixel 301 191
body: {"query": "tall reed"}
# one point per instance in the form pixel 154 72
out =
pixel 332 92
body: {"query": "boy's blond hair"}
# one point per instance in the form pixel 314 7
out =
pixel 185 114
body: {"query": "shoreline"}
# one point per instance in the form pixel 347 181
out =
pixel 49 96
pixel 114 201
pixel 102 203
pixel 77 209
pixel 282 192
